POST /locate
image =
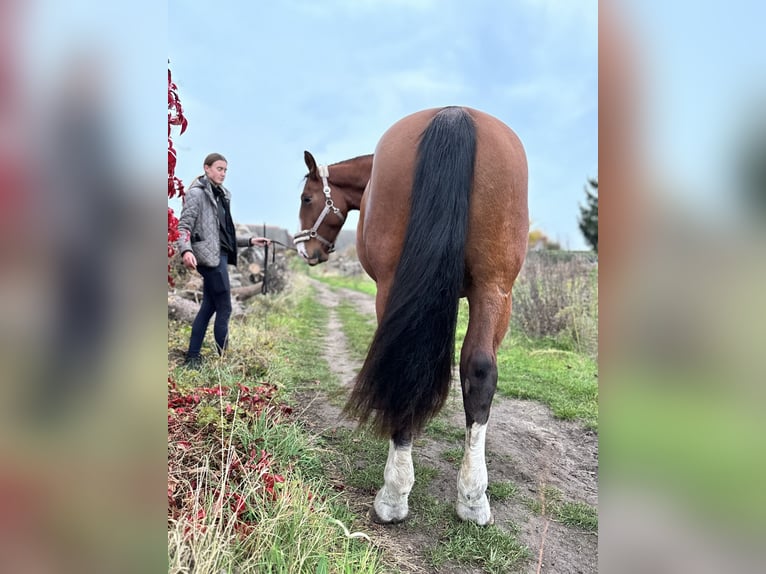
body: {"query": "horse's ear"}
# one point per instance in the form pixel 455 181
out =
pixel 311 164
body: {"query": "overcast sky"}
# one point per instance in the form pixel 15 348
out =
pixel 703 70
pixel 262 81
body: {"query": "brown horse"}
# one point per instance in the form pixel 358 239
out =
pixel 443 215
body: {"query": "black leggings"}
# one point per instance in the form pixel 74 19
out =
pixel 216 298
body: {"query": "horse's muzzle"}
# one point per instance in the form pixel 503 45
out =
pixel 316 257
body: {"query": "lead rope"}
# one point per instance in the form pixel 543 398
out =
pixel 264 288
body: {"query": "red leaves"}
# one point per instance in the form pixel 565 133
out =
pixel 227 478
pixel 263 467
pixel 173 236
pixel 237 504
pixel 176 117
pixel 242 400
pixel 183 400
pixel 173 233
pixel 215 391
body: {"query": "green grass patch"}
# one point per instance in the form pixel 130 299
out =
pixel 361 283
pixel 363 458
pixel 548 497
pixel 501 491
pixel 443 430
pixel 541 370
pixel 358 456
pixel 296 533
pixel 286 442
pixel 494 549
pixel 577 514
pixel 452 454
pixel 281 341
pixel 551 503
pixel 359 328
pixel 565 381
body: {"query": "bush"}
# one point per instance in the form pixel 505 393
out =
pixel 556 296
pixel 178 274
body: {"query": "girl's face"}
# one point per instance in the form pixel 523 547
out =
pixel 216 172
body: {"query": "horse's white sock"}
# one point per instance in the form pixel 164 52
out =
pixel 472 502
pixel 391 501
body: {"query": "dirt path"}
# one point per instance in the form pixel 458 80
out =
pixel 525 445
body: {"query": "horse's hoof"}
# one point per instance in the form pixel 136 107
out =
pixel 377 519
pixel 481 515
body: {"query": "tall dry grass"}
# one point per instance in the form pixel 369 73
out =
pixel 556 297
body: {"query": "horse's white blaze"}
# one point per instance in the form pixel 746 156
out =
pixel 472 503
pixel 399 476
pixel 301 247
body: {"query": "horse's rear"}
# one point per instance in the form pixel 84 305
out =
pixel 444 215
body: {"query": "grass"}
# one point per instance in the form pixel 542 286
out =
pixel 281 342
pixel 294 534
pixel 574 514
pixel 537 369
pixel 501 491
pixel 442 430
pixel 300 528
pixel 495 550
pixel 541 369
pixel 296 335
pixel 358 328
pixel 357 456
pixel 361 283
pixel 556 297
pixel 548 497
pixel 452 454
pixel 579 515
pixel 565 381
pixel 360 459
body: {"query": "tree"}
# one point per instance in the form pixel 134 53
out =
pixel 539 240
pixel 589 215
pixel 751 164
pixel 175 186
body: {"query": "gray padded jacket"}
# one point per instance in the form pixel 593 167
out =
pixel 198 224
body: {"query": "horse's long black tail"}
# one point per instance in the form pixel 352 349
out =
pixel 406 377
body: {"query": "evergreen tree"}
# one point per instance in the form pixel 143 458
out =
pixel 589 215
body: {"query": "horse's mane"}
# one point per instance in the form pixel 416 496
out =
pixel 344 162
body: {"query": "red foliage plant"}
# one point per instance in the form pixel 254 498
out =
pixel 187 440
pixel 176 117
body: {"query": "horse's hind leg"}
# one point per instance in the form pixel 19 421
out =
pixel 488 322
pixel 390 504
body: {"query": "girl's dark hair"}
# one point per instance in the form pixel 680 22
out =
pixel 212 158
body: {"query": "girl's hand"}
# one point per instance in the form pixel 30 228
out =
pixel 260 241
pixel 190 262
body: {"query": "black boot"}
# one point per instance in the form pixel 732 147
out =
pixel 192 362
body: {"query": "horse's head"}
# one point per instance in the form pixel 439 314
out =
pixel 322 214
